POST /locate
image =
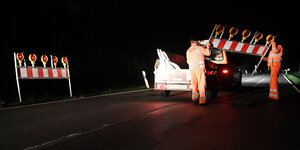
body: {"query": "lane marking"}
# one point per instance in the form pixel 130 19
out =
pixel 101 127
pixel 291 83
pixel 74 99
pixel 261 80
pixel 252 78
pixel 63 138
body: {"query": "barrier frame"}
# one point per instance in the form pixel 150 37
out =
pixel 18 74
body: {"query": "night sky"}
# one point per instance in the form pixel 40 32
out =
pixel 110 43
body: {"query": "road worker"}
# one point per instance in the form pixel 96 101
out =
pixel 274 63
pixel 195 59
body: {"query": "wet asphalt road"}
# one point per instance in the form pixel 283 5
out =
pixel 144 120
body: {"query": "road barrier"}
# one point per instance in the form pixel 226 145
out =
pixel 241 47
pixel 33 72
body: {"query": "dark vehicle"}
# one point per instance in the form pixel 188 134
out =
pixel 229 76
pixel 225 74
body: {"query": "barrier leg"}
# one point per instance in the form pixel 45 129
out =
pixel 69 80
pixel 70 88
pixel 17 78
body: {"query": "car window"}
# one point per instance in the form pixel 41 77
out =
pixel 216 55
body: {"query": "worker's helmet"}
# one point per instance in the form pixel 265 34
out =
pixel 193 39
pixel 202 42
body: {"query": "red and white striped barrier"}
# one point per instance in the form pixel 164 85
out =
pixel 43 73
pixel 239 47
pixel 32 72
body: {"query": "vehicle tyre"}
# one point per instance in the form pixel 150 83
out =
pixel 212 94
pixel 238 83
pixel 165 93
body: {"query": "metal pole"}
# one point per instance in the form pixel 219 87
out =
pixel 253 37
pixel 51 61
pixel 223 31
pixel 261 60
pixel 25 63
pixel 145 79
pixel 212 32
pixel 17 78
pixel 69 80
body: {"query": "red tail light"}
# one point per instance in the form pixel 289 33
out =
pixel 225 71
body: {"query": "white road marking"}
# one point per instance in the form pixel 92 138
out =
pixel 74 99
pixel 248 79
pixel 63 138
pixel 261 80
pixel 291 83
pixel 101 127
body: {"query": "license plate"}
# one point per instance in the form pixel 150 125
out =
pixel 177 87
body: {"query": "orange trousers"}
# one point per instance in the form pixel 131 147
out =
pixel 199 84
pixel 274 93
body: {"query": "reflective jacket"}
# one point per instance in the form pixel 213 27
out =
pixel 274 59
pixel 195 56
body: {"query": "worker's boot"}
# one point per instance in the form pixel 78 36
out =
pixel 195 101
pixel 202 102
pixel 273 100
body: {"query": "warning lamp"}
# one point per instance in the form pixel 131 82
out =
pixel 44 59
pixel 246 33
pixel 20 58
pixel 64 61
pixel 55 60
pixel 258 36
pixel 233 31
pixel 220 28
pixel 270 38
pixel 32 58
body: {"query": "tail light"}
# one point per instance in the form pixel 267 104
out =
pixel 160 86
pixel 225 71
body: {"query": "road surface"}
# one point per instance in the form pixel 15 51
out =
pixel 144 120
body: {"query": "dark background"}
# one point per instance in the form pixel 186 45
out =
pixel 109 43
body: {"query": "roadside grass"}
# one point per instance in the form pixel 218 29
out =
pixel 294 79
pixel 297 74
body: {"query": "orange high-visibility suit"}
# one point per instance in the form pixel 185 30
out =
pixel 195 59
pixel 274 63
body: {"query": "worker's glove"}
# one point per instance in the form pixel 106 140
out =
pixel 208 45
pixel 273 44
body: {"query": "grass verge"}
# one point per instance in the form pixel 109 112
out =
pixel 294 79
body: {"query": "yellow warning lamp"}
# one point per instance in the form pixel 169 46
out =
pixel 220 28
pixel 55 60
pixel 233 31
pixel 64 61
pixel 32 58
pixel 270 38
pixel 20 57
pixel 246 33
pixel 258 36
pixel 44 59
